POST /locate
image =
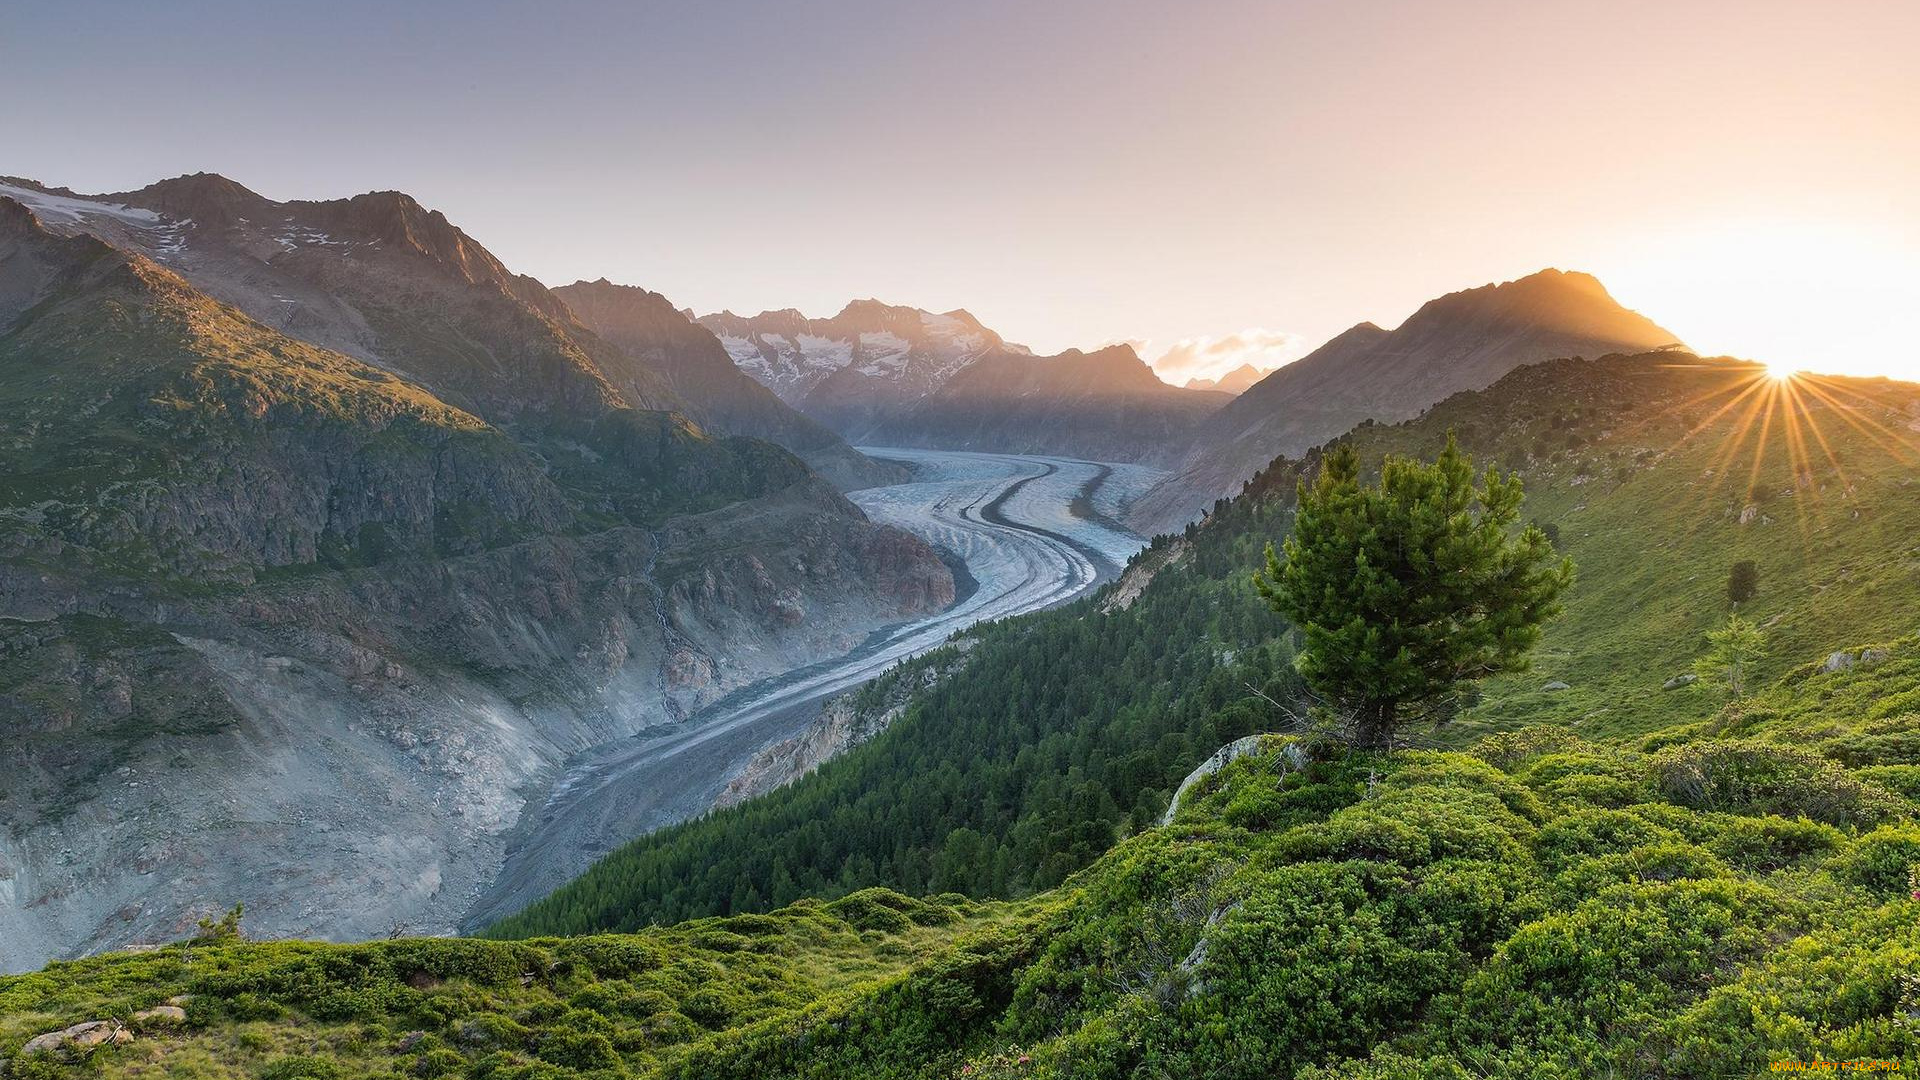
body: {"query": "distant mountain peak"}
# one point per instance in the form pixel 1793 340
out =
pixel 203 197
pixel 1233 382
pixel 1570 302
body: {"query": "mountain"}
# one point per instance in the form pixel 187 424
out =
pixel 1623 877
pixel 285 626
pixel 1003 766
pixel 697 368
pixel 1106 405
pixel 383 279
pixel 1236 381
pixel 854 371
pixel 886 375
pixel 1462 341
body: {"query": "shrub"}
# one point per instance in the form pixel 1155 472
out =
pixel 1591 833
pixel 438 1062
pixel 1881 859
pixel 1754 777
pixel 1743 582
pixel 1770 843
pixel 578 1050
pixel 1509 750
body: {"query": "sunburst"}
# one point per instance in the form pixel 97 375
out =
pixel 1770 418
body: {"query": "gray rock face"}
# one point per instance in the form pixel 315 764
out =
pixel 1227 755
pixel 1839 661
pixel 160 1016
pixel 70 1044
pixel 1679 681
pixel 1556 685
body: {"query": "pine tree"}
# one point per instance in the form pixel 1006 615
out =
pixel 1732 651
pixel 1406 591
pixel 1743 582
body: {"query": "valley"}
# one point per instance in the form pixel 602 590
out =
pixel 1032 533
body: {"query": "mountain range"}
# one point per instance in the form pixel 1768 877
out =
pixel 1236 381
pixel 883 374
pixel 1461 341
pixel 325 540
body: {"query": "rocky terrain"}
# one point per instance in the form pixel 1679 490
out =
pixel 844 723
pixel 303 616
pixel 1462 341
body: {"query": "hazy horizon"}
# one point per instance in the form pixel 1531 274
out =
pixel 1074 174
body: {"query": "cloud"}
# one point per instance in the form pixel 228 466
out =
pixel 1209 357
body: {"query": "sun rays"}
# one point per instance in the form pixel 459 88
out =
pixel 1779 440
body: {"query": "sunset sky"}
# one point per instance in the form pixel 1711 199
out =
pixel 1747 173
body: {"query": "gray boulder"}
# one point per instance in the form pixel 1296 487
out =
pixel 73 1043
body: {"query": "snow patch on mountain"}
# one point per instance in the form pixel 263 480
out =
pixel 53 210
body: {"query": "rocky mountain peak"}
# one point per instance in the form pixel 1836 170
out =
pixel 207 199
pixel 1565 301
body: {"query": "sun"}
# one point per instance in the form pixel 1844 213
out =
pixel 1781 372
pixel 1805 294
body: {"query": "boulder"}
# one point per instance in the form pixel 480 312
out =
pixel 1872 656
pixel 1557 685
pixel 1679 681
pixel 74 1043
pixel 160 1016
pixel 1839 661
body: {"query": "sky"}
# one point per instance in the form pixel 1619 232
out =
pixel 1213 181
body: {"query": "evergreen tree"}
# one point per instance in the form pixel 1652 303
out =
pixel 1743 583
pixel 1407 591
pixel 1732 651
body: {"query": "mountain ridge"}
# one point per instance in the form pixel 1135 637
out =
pixel 1463 340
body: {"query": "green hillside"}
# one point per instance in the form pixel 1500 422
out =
pixel 1065 731
pixel 1704 902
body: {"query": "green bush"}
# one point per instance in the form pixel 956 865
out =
pixel 436 1063
pixel 1880 860
pixel 1770 843
pixel 1754 777
pixel 578 1050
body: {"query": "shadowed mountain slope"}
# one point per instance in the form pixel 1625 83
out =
pixel 1462 341
pixel 649 329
